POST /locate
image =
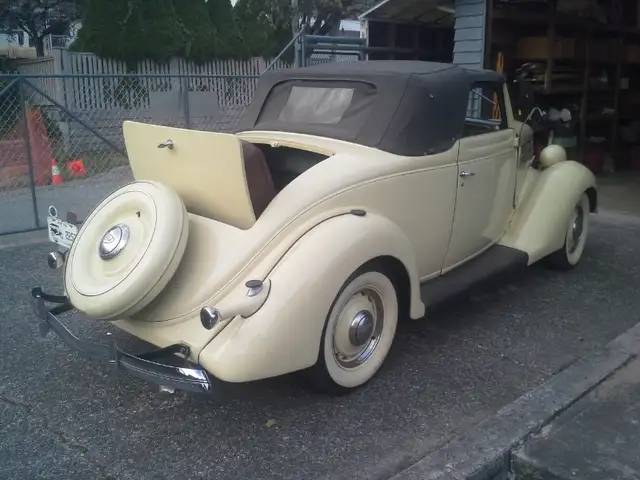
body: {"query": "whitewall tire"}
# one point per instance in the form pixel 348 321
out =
pixel 575 238
pixel 358 332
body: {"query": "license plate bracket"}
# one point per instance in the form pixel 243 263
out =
pixel 60 232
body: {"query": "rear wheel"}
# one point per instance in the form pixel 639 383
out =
pixel 358 332
pixel 575 239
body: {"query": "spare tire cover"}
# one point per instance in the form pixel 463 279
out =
pixel 126 251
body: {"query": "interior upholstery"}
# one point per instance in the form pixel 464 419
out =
pixel 259 181
pixel 287 163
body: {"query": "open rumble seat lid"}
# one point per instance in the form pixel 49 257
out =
pixel 206 169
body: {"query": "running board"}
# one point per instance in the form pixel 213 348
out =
pixel 496 263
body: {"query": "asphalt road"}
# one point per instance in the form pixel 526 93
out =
pixel 61 417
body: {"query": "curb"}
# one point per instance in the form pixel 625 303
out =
pixel 483 453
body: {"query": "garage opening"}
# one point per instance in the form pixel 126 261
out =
pixel 579 62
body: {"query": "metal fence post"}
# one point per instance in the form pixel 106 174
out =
pixel 185 101
pixel 303 50
pixel 27 144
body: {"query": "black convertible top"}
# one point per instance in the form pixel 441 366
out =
pixel 403 107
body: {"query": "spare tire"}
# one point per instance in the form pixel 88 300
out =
pixel 127 250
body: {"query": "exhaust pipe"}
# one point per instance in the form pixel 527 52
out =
pixel 55 260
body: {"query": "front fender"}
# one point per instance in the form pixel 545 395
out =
pixel 284 334
pixel 539 224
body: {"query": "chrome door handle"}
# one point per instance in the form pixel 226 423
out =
pixel 466 174
pixel 168 143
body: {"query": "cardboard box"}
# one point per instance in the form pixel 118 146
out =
pixel 600 50
pixel 632 54
pixel 537 48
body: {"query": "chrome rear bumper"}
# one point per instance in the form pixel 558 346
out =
pixel 187 377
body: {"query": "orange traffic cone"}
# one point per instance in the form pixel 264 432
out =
pixel 76 168
pixel 56 177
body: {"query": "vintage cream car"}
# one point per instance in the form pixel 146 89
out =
pixel 354 196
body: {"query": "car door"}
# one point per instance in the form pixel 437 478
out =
pixel 486 176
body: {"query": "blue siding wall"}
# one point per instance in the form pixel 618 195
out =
pixel 468 49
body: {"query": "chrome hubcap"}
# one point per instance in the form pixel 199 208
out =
pixel 577 227
pixel 361 328
pixel 358 328
pixel 114 241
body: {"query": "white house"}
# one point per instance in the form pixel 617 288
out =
pixel 16 45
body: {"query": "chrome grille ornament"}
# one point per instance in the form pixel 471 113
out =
pixel 114 241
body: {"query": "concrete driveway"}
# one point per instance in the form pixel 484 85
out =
pixel 61 417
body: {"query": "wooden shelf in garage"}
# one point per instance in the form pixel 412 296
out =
pixel 586 61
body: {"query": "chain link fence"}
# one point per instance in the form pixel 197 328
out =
pixel 61 135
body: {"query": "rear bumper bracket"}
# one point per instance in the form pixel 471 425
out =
pixel 147 365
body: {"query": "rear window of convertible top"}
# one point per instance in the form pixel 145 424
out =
pixel 315 102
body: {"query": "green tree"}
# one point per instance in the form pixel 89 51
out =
pixel 102 28
pixel 256 27
pixel 320 16
pixel 266 25
pixel 197 29
pixel 157 28
pixel 131 30
pixel 230 43
pixel 38 18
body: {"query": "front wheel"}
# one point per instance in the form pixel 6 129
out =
pixel 358 332
pixel 575 239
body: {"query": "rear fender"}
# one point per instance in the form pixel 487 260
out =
pixel 539 224
pixel 284 334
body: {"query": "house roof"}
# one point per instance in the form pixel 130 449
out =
pixel 412 11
